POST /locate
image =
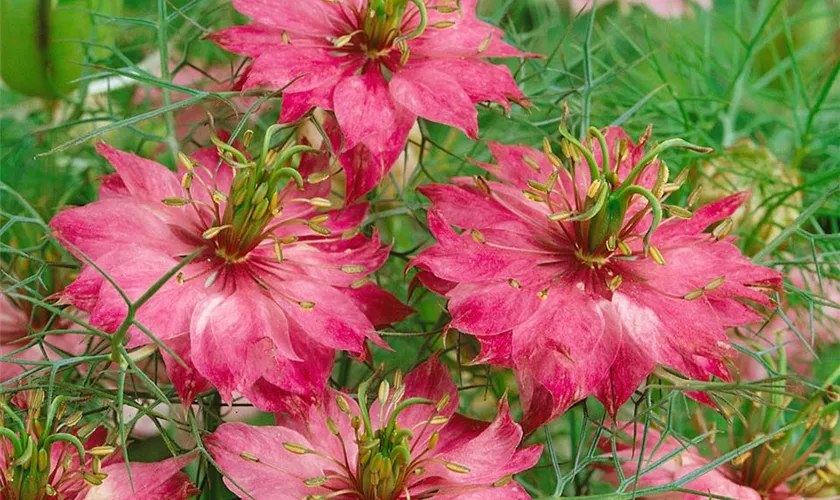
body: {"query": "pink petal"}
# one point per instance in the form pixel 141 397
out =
pixel 112 186
pixel 11 370
pixel 13 321
pixel 363 107
pixel 292 68
pixel 566 348
pixel 468 207
pixel 99 227
pixel 325 264
pixel 430 380
pixel 481 80
pixel 144 179
pixel 294 386
pixel 251 40
pixel 436 96
pixel 152 481
pixel 261 336
pixel 511 167
pixel 368 163
pixel 703 217
pixel 380 307
pixel 186 379
pixel 334 321
pixel 465 39
pixel 297 104
pixel 685 461
pixel 511 491
pixel 279 473
pixel 298 16
pixel 92 293
pixel 496 350
pixel 475 308
pixel 460 258
pixel 491 454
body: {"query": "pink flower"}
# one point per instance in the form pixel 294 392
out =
pixel 74 463
pixel 277 286
pixel 408 444
pixel 378 64
pixel 776 470
pixel 666 461
pixel 662 8
pixel 822 321
pixel 596 289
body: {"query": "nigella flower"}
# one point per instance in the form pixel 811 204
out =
pixel 408 444
pixel 45 453
pixel 596 286
pixel 378 64
pixel 784 462
pixel 667 460
pixel 662 8
pixel 275 286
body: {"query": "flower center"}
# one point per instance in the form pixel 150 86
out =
pixel 381 25
pixel 597 221
pixel 389 458
pixel 238 221
pixel 32 474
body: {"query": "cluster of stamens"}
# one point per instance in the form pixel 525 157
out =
pixel 237 222
pixel 389 457
pixel 32 471
pixel 595 222
pixel 380 25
